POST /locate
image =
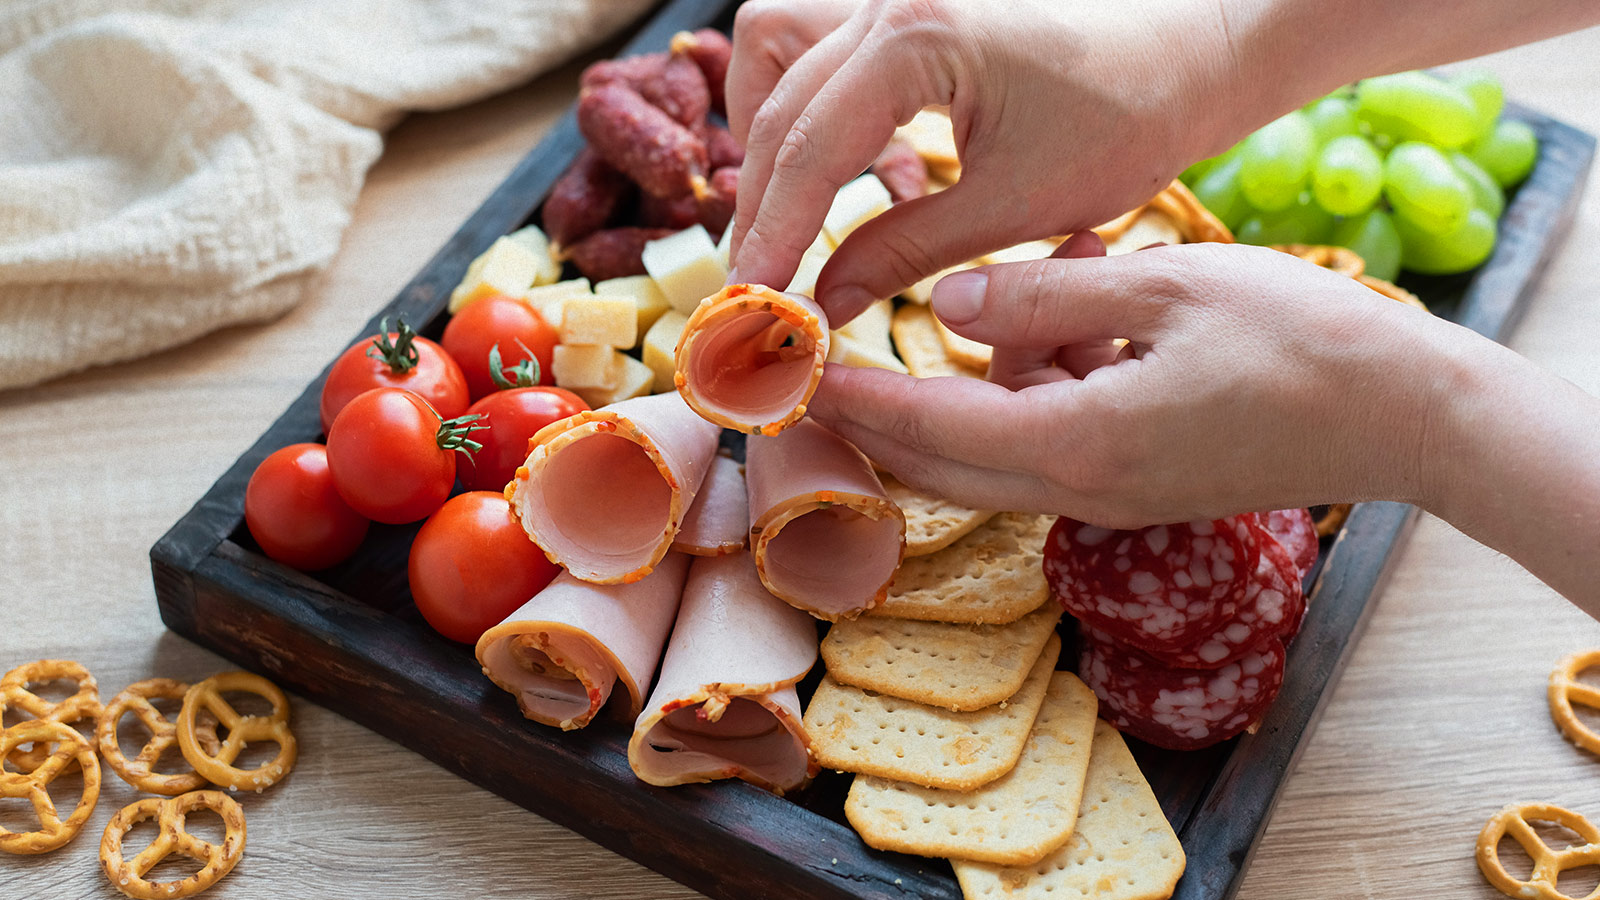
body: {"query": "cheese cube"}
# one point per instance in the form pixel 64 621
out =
pixel 871 328
pixel 855 203
pixel 593 319
pixel 922 291
pixel 648 300
pixel 507 267
pixel 845 350
pixel 1023 252
pixel 725 245
pixel 549 271
pixel 633 380
pixel 548 299
pixel 585 366
pixel 811 263
pixel 686 267
pixel 660 347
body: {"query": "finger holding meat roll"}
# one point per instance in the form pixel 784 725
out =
pixel 725 706
pixel 751 357
pixel 825 536
pixel 563 653
pixel 605 492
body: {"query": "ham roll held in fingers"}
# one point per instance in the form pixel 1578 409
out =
pixel 750 357
pixel 719 521
pixel 825 536
pixel 563 653
pixel 605 492
pixel 725 706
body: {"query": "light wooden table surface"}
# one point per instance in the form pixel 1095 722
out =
pixel 1438 721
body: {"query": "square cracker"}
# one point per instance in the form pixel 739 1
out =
pixel 1017 819
pixel 932 523
pixel 992 576
pixel 1122 847
pixel 958 667
pixel 916 339
pixel 858 731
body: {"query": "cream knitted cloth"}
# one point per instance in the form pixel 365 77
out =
pixel 169 167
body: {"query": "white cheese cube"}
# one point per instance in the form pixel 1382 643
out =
pixel 507 267
pixel 845 350
pixel 648 300
pixel 811 263
pixel 594 319
pixel 548 299
pixel 686 267
pixel 633 380
pixel 585 366
pixel 549 271
pixel 661 346
pixel 725 245
pixel 871 328
pixel 1022 252
pixel 855 203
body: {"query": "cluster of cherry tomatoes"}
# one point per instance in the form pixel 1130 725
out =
pixel 405 419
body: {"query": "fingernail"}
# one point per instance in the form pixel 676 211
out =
pixel 958 298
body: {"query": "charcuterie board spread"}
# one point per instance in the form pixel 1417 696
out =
pixel 579 542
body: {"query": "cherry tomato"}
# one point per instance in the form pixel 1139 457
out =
pixel 294 513
pixel 471 566
pixel 517 328
pixel 393 460
pixel 512 417
pixel 395 359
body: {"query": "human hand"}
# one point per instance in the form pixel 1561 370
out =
pixel 1257 381
pixel 1065 116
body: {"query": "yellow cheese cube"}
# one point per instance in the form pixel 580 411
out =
pixel 1022 252
pixel 685 267
pixel 548 299
pixel 585 366
pixel 855 203
pixel 507 267
pixel 811 263
pixel 871 328
pixel 594 319
pixel 648 300
pixel 549 271
pixel 922 291
pixel 633 380
pixel 845 350
pixel 725 245
pixel 660 346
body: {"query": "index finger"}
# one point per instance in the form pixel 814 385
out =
pixel 768 38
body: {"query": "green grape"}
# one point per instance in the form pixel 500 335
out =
pixel 1487 97
pixel 1424 188
pixel 1418 106
pixel 1219 190
pixel 1303 223
pixel 1348 176
pixel 1458 250
pixel 1276 161
pixel 1332 117
pixel 1508 153
pixel 1198 170
pixel 1486 193
pixel 1374 237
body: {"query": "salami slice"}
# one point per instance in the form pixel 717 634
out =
pixel 1180 709
pixel 1164 587
pixel 1297 532
pixel 1272 607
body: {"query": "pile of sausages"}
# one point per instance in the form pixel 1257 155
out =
pixel 656 162
pixel 1184 627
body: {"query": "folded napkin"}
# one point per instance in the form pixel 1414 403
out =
pixel 170 167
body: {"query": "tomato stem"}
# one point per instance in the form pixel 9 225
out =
pixel 400 354
pixel 454 434
pixel 523 374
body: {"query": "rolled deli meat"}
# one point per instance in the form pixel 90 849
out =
pixel 719 521
pixel 725 706
pixel 750 357
pixel 605 492
pixel 825 536
pixel 564 652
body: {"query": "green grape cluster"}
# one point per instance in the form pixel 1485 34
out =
pixel 1409 170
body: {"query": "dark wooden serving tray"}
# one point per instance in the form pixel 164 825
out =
pixel 350 639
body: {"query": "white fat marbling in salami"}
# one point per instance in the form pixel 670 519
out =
pixel 1162 587
pixel 750 357
pixel 725 706
pixel 825 535
pixel 1297 532
pixel 1180 709
pixel 605 492
pixel 563 652
pixel 1272 607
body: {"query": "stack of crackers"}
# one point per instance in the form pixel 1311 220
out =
pixel 966 742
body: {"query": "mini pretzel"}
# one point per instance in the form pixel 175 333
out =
pixel 140 772
pixel 84 704
pixel 70 746
pixel 218 768
pixel 127 875
pixel 1194 220
pixel 1343 260
pixel 1548 864
pixel 1566 689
